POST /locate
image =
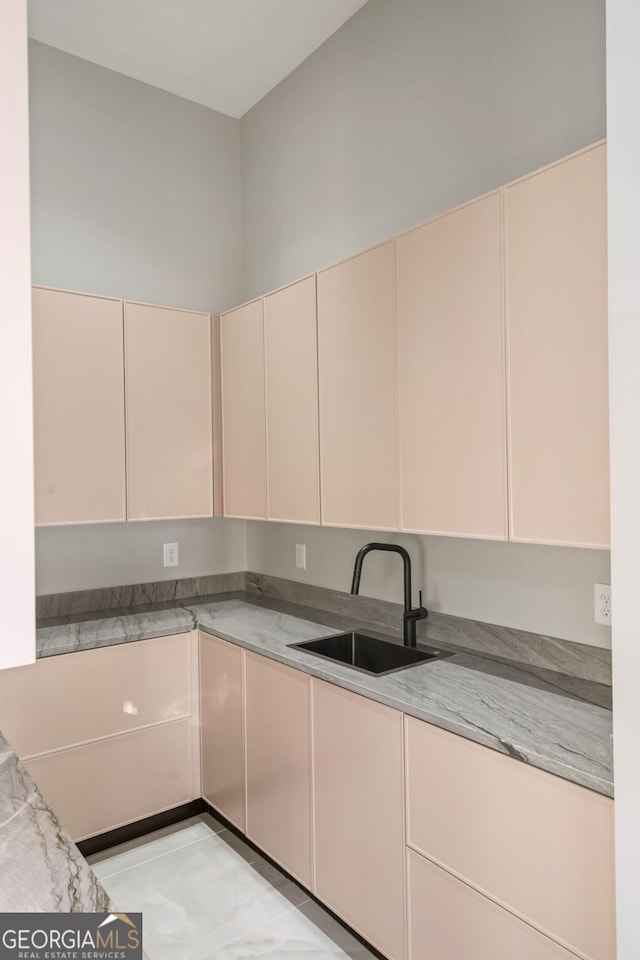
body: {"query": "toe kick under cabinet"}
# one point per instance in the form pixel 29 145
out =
pixel 109 735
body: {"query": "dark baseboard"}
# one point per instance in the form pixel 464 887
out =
pixel 133 831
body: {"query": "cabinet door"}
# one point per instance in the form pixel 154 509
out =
pixel 357 384
pixel 556 246
pixel 451 374
pixel 358 819
pixel 538 845
pixel 222 727
pixel 291 383
pixel 169 430
pixel 98 786
pixel 448 920
pixel 79 447
pixel 243 412
pixel 279 763
pixel 95 693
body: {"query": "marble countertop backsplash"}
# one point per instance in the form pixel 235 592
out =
pixel 550 718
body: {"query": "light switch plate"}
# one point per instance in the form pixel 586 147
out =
pixel 301 556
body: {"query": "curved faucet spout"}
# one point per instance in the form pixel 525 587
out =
pixel 411 615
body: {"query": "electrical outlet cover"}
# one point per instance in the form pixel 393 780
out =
pixel 602 604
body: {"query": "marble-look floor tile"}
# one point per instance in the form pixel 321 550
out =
pixel 291 936
pixel 195 899
pixel 349 944
pixel 161 842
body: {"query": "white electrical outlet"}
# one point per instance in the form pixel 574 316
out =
pixel 170 552
pixel 301 556
pixel 602 603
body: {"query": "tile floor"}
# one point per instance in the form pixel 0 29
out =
pixel 206 895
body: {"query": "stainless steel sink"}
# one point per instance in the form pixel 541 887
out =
pixel 368 654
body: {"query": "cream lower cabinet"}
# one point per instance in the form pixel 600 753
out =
pixel 539 847
pixel 278 763
pixel 110 735
pixel 358 814
pixel 449 920
pixel 222 727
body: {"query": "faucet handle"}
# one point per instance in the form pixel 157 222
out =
pixel 423 612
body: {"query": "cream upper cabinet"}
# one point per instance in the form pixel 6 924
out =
pixel 243 412
pixel 79 441
pixel 358 814
pixel 169 417
pixel 357 387
pixel 451 374
pixel 556 249
pixel 291 385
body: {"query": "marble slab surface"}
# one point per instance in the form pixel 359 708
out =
pixel 486 701
pixel 42 869
pixel 580 660
pixel 540 717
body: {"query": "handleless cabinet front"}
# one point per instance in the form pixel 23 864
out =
pixel 78 382
pixel 222 727
pixel 539 846
pixel 243 412
pixel 449 920
pixel 453 448
pixel 107 734
pixel 556 249
pixel 358 814
pixel 169 413
pixel 357 387
pixel 291 385
pixel 279 763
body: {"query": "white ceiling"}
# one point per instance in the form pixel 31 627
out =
pixel 225 54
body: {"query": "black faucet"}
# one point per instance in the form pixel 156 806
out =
pixel 411 615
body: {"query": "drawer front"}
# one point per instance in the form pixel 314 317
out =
pixel 99 786
pixel 449 920
pixel 541 846
pixel 70 699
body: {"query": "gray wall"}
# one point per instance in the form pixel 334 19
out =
pixel 548 590
pixel 112 554
pixel 136 193
pixel 409 109
pixel 412 107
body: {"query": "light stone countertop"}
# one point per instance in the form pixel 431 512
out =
pixel 42 869
pixel 536 717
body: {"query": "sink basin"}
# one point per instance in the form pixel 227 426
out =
pixel 368 653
